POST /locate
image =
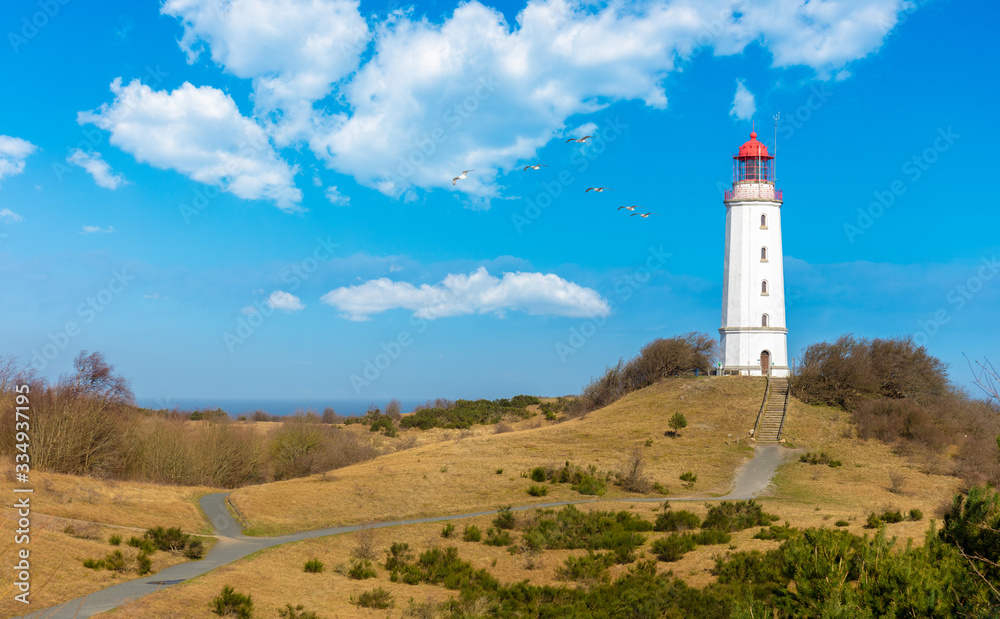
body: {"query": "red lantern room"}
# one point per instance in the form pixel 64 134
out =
pixel 753 163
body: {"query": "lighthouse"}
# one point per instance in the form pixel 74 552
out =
pixel 753 333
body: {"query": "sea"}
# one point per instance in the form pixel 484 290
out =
pixel 247 406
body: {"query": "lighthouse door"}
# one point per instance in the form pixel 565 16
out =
pixel 765 363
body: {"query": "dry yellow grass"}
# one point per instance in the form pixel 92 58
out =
pixel 122 503
pixel 460 476
pixel 57 560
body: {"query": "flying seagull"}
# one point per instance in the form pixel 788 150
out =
pixel 643 215
pixel 598 189
pixel 580 140
pixel 461 176
pixel 630 208
pixel 535 167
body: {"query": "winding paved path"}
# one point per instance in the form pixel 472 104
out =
pixel 751 480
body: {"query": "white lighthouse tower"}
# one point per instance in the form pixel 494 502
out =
pixel 753 329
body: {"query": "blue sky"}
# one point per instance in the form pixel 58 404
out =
pixel 255 198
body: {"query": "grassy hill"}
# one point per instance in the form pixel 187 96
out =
pixel 457 472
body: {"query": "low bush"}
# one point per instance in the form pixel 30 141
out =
pixel 538 474
pixel 472 533
pixel 496 537
pixel 296 612
pixel 115 562
pixel 361 570
pixel 115 539
pixel 916 514
pixel 841 523
pixel 463 414
pixel 230 603
pixel 448 530
pixel 397 556
pixel 144 545
pixel 591 486
pixel 709 537
pixel 591 568
pixel 313 566
pixel 680 520
pixel 144 564
pixel 505 519
pixel 820 458
pixel 779 533
pixel 94 564
pixel 737 515
pixel 673 547
pixel 534 490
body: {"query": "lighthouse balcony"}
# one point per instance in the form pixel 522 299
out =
pixel 753 191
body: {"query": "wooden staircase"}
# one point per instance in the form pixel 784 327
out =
pixel 772 411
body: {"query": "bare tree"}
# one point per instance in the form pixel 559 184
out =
pixel 95 377
pixel 986 378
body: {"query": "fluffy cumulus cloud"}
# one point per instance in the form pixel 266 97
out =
pixel 409 103
pixel 744 105
pixel 293 50
pixel 13 152
pixel 475 293
pixel 96 167
pixel 9 216
pixel 279 299
pixel 200 133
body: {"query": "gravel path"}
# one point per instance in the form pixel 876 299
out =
pixel 751 480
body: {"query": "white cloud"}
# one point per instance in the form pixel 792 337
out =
pixel 97 230
pixel 474 92
pixel 336 198
pixel 96 167
pixel 200 133
pixel 284 301
pixel 9 216
pixel 479 292
pixel 293 50
pixel 744 105
pixel 13 152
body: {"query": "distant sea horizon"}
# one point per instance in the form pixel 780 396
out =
pixel 346 407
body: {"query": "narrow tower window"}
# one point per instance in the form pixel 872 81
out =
pixel 763 254
pixel 763 320
pixel 763 222
pixel 763 287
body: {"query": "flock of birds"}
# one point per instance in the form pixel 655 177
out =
pixel 537 166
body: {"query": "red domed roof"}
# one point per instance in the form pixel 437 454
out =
pixel 753 149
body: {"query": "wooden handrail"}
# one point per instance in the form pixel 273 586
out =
pixel 763 405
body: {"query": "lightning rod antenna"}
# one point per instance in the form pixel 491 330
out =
pixel 776 117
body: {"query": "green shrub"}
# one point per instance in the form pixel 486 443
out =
pixel 892 516
pixel 673 547
pixel 144 564
pixel 677 423
pixel 195 549
pixel 144 545
pixel 781 533
pixel 873 521
pixel 229 603
pixel 591 486
pixel 115 561
pixel 361 570
pixel 376 598
pixel 498 538
pixel 115 539
pixel 296 612
pixel 534 490
pixel 463 414
pixel 916 514
pixel 841 523
pixel 499 471
pixel 736 516
pixel 472 533
pixel 448 530
pixel 172 539
pixel 676 521
pixel 589 568
pixel 537 474
pixel 505 519
pixel 385 425
pixel 94 564
pixel 397 556
pixel 621 543
pixel 689 478
pixel 313 566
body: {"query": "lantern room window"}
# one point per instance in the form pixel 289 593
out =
pixel 763 288
pixel 763 222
